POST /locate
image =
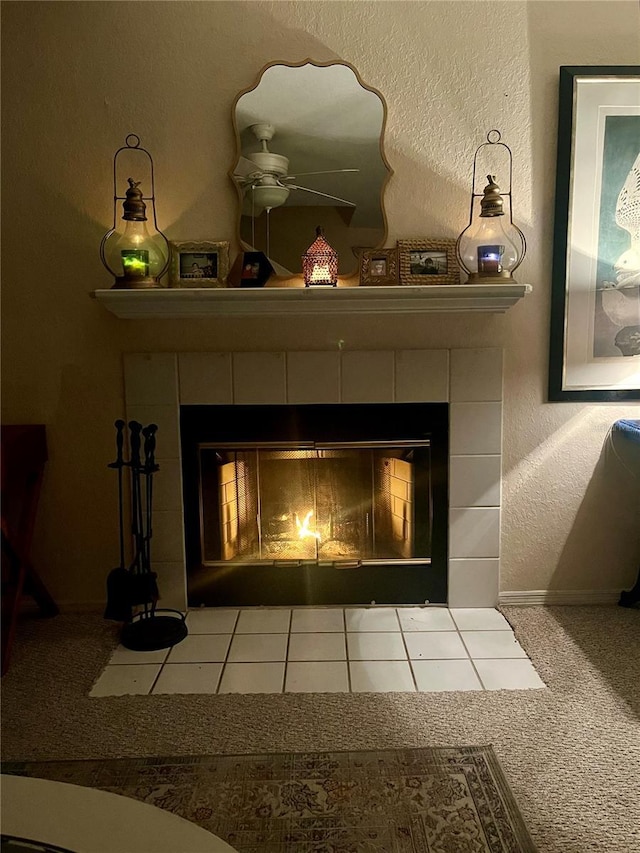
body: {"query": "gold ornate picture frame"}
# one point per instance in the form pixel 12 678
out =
pixel 199 264
pixel 379 267
pixel 428 262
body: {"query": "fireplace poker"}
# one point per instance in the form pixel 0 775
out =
pixel 118 464
pixel 149 470
pixel 143 584
pixel 134 463
pixel 118 582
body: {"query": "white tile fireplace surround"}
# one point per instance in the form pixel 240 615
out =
pixel 470 380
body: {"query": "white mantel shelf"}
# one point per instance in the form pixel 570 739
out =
pixel 177 303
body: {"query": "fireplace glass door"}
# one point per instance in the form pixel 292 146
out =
pixel 325 504
pixel 295 519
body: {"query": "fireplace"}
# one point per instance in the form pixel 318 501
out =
pixel 295 505
pixel 466 382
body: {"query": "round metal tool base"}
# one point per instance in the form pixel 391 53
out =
pixel 153 632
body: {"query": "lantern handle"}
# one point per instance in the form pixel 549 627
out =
pixel 132 143
pixel 494 137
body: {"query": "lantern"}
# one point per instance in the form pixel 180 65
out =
pixel 491 247
pixel 320 263
pixel 136 253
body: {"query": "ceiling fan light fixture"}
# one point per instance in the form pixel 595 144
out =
pixel 269 196
pixel 320 263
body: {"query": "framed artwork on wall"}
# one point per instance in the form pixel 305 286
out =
pixel 427 261
pixel 203 264
pixel 595 300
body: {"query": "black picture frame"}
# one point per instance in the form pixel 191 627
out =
pixel 583 366
pixel 250 269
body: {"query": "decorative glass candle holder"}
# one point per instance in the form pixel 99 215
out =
pixel 320 263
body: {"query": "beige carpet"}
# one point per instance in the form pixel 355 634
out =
pixel 571 751
pixel 449 800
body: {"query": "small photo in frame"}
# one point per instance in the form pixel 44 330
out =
pixel 378 267
pixel 204 264
pixel 428 262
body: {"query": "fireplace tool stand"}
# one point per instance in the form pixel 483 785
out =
pixel 133 591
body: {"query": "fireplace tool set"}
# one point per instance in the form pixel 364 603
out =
pixel 132 591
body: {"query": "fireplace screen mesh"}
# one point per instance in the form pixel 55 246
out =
pixel 337 504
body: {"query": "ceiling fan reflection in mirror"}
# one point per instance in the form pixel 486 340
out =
pixel 265 182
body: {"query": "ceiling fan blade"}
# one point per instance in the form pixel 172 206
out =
pixel 245 168
pixel 327 172
pixel 316 192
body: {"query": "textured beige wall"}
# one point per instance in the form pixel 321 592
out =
pixel 79 76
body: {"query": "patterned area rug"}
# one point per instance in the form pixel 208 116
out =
pixel 447 800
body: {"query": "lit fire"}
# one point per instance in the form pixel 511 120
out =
pixel 303 527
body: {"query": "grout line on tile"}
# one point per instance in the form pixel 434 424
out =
pixel 285 668
pixel 473 663
pixel 286 651
pixel 155 680
pixel 406 651
pixel 226 657
pixel 346 648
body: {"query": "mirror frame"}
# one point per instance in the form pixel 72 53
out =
pixel 243 245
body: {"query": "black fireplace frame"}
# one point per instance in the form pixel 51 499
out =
pixel 317 585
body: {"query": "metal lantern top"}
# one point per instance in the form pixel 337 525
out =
pixel 320 262
pixel 135 210
pixel 492 203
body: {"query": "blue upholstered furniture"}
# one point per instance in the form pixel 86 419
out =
pixel 625 437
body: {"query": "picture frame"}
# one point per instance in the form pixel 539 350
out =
pixel 250 269
pixel 594 347
pixel 199 264
pixel 428 262
pixel 379 268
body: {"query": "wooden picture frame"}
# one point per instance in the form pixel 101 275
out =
pixel 379 268
pixel 594 353
pixel 199 264
pixel 428 262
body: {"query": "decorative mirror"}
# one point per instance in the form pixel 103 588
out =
pixel 310 153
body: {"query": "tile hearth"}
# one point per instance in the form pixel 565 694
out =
pixel 328 650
